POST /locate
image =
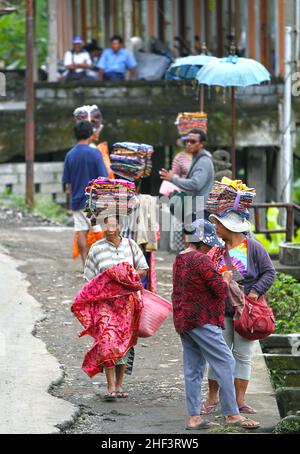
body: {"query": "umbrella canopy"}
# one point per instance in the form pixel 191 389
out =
pixel 188 67
pixel 233 71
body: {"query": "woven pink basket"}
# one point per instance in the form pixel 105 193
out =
pixel 155 311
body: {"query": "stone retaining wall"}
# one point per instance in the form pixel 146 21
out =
pixel 47 178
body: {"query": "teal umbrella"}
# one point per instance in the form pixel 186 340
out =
pixel 233 72
pixel 188 68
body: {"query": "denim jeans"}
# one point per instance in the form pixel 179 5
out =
pixel 201 345
pixel 242 350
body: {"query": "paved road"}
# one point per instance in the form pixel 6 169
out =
pixel 156 403
pixel 27 369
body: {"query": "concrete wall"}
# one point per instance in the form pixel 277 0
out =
pixel 47 178
pixel 137 111
pixel 142 111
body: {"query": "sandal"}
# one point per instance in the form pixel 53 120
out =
pixel 203 425
pixel 208 409
pixel 241 423
pixel 110 396
pixel 121 395
pixel 247 410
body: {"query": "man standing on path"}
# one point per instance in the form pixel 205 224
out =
pixel 82 164
pixel 116 61
pixel 199 181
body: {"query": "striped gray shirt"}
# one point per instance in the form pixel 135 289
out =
pixel 104 255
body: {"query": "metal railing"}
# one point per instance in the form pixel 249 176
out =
pixel 290 218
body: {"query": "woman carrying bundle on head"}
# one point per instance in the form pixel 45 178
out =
pixel 109 305
pixel 251 267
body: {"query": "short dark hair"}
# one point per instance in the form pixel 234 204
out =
pixel 83 130
pixel 117 38
pixel 116 217
pixel 200 132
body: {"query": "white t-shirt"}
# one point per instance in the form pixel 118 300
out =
pixel 77 59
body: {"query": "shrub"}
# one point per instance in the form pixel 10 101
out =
pixel 284 298
pixel 43 206
pixel 288 425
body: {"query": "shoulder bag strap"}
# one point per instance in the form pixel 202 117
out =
pixel 134 262
pixel 201 155
pixel 228 260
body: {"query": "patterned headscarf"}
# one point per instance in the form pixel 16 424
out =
pixel 89 113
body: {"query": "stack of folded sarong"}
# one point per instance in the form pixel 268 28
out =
pixel 132 160
pixel 107 197
pixel 187 121
pixel 230 195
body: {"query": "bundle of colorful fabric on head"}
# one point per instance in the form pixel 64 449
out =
pixel 229 195
pixel 107 197
pixel 187 121
pixel 132 160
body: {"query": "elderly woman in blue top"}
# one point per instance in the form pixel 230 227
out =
pixel 116 61
pixel 252 267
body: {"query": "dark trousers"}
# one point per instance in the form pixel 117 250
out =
pixel 114 76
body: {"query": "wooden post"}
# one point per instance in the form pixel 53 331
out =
pixel 290 223
pixel 151 18
pixel 264 41
pixel 220 43
pixel 251 29
pixel 233 133
pixel 83 20
pixel 52 46
pixel 29 116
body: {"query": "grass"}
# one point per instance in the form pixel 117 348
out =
pixel 277 378
pixel 44 206
pixel 226 429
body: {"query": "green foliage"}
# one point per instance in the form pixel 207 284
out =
pixel 44 206
pixel 277 378
pixel 12 36
pixel 296 192
pixel 288 425
pixel 284 299
pixel 12 39
pixel 14 201
pixel 273 241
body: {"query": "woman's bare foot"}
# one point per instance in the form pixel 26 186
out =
pixel 241 421
pixel 121 393
pixel 198 423
pixel 110 393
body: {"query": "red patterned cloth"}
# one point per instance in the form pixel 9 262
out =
pixel 109 308
pixel 199 292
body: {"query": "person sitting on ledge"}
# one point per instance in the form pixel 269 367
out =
pixel 116 61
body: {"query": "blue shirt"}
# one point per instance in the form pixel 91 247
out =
pixel 82 164
pixel 118 62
